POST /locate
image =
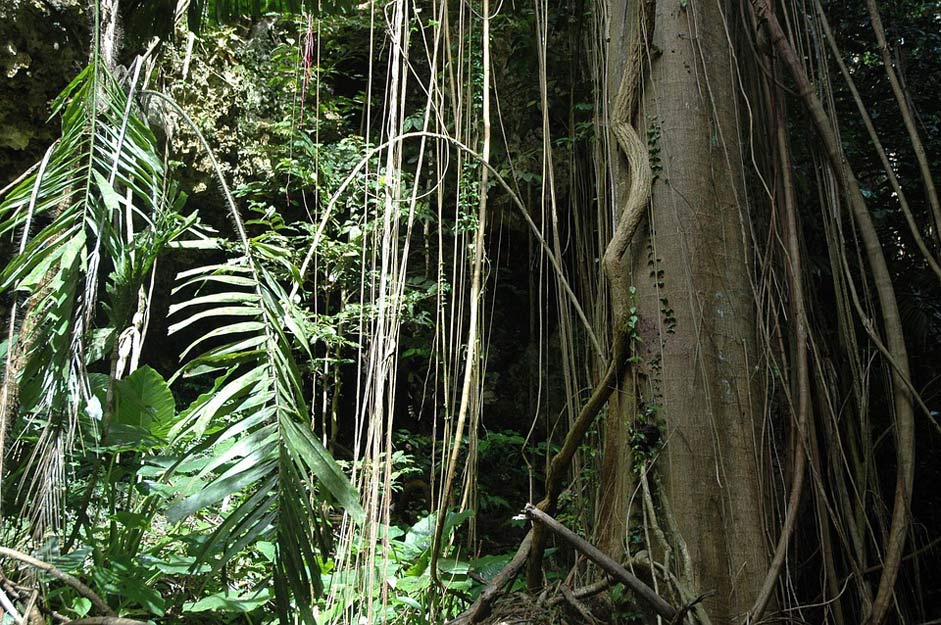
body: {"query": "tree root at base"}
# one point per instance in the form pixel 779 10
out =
pixel 616 573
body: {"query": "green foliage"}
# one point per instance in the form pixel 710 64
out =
pixel 626 606
pixel 208 498
pixel 667 313
pixel 226 11
pixel 244 450
pixel 503 488
pixel 645 438
pixel 402 567
pixel 653 147
pixel 144 412
pixel 91 233
pixel 271 459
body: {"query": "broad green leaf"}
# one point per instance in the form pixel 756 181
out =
pixel 266 549
pixel 81 606
pixel 488 566
pixel 227 602
pixel 143 399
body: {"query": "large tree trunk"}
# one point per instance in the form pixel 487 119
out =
pixel 691 271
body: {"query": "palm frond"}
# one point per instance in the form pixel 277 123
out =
pixel 255 420
pixel 257 424
pixel 108 208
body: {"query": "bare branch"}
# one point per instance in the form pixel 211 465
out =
pixel 62 576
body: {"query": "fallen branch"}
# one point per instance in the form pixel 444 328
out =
pixel 562 460
pixel 580 607
pixel 9 608
pixel 609 566
pixel 584 592
pixel 62 576
pixel 31 612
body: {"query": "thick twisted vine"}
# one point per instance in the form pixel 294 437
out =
pixel 617 270
pixel 629 218
pixel 638 163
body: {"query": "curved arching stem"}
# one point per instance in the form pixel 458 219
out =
pixel 801 369
pixel 62 576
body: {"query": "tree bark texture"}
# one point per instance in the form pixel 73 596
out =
pixel 691 271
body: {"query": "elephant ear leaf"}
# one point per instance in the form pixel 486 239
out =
pixel 144 410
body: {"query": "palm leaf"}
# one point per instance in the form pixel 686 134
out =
pixel 276 462
pixel 255 423
pixel 109 209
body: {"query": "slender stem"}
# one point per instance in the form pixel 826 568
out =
pixel 481 608
pixel 799 314
pixel 560 463
pixel 919 147
pixel 472 363
pixel 877 143
pixel 106 620
pixel 524 213
pixel 8 606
